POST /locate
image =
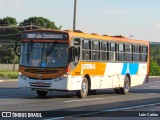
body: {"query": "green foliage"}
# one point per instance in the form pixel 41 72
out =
pixel 40 22
pixel 9 74
pixel 13 32
pixel 154 69
pixel 10 21
pixel 155 59
pixel 8 56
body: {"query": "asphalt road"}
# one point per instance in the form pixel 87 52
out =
pixel 59 104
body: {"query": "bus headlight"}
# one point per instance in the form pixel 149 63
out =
pixel 65 75
pixel 61 77
pixel 22 76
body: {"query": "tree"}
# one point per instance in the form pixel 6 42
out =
pixel 154 69
pixel 8 34
pixel 155 59
pixel 10 30
pixel 36 22
pixel 10 21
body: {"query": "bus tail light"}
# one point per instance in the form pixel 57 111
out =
pixel 147 78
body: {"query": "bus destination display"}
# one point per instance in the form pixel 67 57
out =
pixel 45 35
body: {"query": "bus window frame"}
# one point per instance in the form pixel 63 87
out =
pixel 134 50
pixel 144 54
pixel 128 52
pixel 112 53
pixel 87 50
pixel 104 51
pixel 121 52
pixel 96 51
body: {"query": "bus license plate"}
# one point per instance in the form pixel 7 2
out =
pixel 39 83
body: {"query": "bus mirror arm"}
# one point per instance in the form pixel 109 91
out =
pixel 15 48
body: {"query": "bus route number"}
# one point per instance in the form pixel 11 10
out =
pixel 31 36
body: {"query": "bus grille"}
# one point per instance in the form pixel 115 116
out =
pixel 34 84
pixel 41 78
pixel 41 71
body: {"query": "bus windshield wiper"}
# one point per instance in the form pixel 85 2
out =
pixel 51 49
pixel 30 46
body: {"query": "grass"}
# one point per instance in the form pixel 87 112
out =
pixel 8 74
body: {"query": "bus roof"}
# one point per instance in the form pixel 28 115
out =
pixel 118 38
pixel 78 33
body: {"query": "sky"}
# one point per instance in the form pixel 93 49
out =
pixel 140 18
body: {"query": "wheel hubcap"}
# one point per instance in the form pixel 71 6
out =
pixel 84 87
pixel 126 85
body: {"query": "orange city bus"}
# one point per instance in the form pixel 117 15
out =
pixel 76 61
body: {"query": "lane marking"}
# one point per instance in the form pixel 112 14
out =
pixel 10 80
pixel 84 100
pixel 132 107
pixel 152 93
pixel 103 111
pixel 154 86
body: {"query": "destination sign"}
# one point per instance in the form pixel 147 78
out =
pixel 45 35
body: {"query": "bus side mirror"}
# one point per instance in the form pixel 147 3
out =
pixel 17 48
pixel 75 52
pixel 72 53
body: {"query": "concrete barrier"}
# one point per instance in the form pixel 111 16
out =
pixel 9 67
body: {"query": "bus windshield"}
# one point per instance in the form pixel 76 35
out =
pixel 49 55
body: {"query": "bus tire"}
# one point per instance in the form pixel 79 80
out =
pixel 42 93
pixel 84 89
pixel 126 86
pixel 91 92
pixel 117 91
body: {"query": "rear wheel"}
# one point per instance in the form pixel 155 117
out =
pixel 84 89
pixel 125 89
pixel 42 93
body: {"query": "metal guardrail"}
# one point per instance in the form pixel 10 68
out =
pixel 9 67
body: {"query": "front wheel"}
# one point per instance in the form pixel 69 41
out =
pixel 92 92
pixel 42 93
pixel 84 89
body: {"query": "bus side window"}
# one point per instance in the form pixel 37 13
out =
pixel 95 50
pixel 144 54
pixel 103 51
pixel 121 54
pixel 128 50
pixel 86 51
pixel 112 51
pixel 136 55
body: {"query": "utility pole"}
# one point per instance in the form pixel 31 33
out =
pixel 74 15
